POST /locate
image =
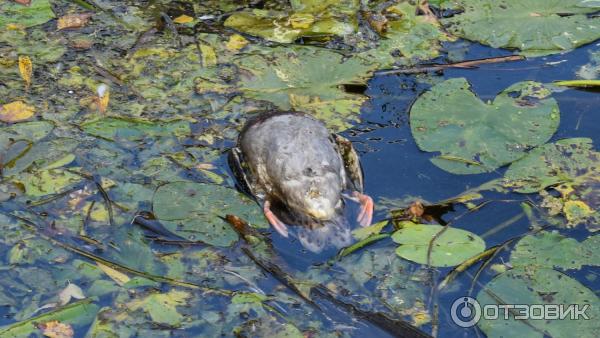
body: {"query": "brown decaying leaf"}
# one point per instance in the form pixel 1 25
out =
pixel 416 209
pixel 23 2
pixel 26 69
pixel 16 111
pixel 56 329
pixel 73 21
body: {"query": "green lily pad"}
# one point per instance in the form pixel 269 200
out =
pixel 286 27
pixel 36 13
pixel 538 286
pixel 192 210
pixel 529 25
pixel 306 79
pixel 451 248
pixel 551 249
pixel 162 307
pixel 476 137
pixel 47 182
pixel 566 161
pixel 111 128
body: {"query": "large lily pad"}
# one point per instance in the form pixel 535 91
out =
pixel 529 25
pixel 36 13
pixel 192 210
pixel 303 78
pixel 551 249
pixel 538 286
pixel 452 247
pixel 474 136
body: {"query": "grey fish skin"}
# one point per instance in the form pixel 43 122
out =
pixel 293 159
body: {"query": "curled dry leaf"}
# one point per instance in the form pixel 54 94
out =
pixel 71 291
pixel 73 21
pixel 56 329
pixel 16 111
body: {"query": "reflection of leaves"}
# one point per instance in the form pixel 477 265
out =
pixel 452 247
pixel 538 286
pixel 37 13
pixel 162 307
pixel 529 25
pixel 474 136
pixel 192 210
pixel 550 250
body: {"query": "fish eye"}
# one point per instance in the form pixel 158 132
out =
pixel 309 172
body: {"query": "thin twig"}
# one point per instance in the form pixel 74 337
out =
pixel 463 64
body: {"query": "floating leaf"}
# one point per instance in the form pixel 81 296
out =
pixel 112 128
pixel 362 233
pixel 73 21
pixel 530 25
pixel 162 307
pixel 119 277
pixel 539 286
pixel 183 19
pixel 553 250
pixel 578 83
pixel 451 248
pixel 475 137
pixel 56 329
pixel 69 292
pixel 16 111
pixel 306 19
pixel 192 210
pixel 47 182
pixel 306 79
pixel 26 69
pixel 236 42
pixel 36 13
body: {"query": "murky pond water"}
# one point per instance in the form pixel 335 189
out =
pixel 119 217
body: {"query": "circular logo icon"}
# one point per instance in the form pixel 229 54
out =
pixel 465 311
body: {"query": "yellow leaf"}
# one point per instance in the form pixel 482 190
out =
pixel 16 111
pixel 26 69
pixel 236 42
pixel 301 20
pixel 73 21
pixel 56 329
pixel 209 58
pixel 183 19
pixel 119 277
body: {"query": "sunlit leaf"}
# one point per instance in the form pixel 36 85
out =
pixel 16 111
pixel 529 25
pixel 451 247
pixel 474 136
pixel 36 13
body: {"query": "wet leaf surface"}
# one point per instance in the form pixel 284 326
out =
pixel 450 247
pixel 532 26
pixel 474 136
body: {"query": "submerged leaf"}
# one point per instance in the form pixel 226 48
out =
pixel 112 128
pixel 162 307
pixel 538 286
pixel 193 210
pixel 475 137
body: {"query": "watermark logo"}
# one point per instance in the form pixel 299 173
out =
pixel 466 311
